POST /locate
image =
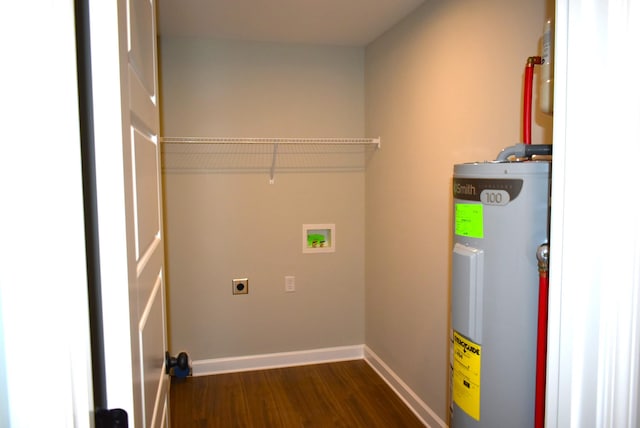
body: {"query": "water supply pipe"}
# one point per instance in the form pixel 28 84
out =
pixel 528 97
pixel 541 354
pixel 522 150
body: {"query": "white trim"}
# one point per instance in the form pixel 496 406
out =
pixel 280 359
pixel 426 415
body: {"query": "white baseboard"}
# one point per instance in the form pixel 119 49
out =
pixel 323 355
pixel 280 359
pixel 419 407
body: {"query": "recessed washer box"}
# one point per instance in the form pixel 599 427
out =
pixel 318 238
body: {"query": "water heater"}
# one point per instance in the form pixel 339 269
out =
pixel 500 219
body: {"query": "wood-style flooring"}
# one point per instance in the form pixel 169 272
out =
pixel 343 394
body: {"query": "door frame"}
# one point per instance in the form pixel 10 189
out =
pixel 593 364
pixel 45 366
pixel 110 121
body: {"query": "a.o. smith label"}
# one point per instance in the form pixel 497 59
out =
pixel 489 191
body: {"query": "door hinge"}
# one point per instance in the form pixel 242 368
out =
pixel 114 418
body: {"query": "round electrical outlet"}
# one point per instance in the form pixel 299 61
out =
pixel 240 286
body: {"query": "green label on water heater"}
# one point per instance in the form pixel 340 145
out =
pixel 469 220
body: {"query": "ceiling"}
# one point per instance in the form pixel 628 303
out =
pixel 326 22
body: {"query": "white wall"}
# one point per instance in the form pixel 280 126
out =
pixel 225 225
pixel 442 87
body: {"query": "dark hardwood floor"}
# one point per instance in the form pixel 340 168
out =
pixel 343 394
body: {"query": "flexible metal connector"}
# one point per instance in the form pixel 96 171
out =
pixel 543 258
pixel 521 150
pixel 534 60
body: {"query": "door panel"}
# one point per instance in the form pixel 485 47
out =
pixel 147 192
pixel 152 344
pixel 148 277
pixel 142 102
pixel 142 54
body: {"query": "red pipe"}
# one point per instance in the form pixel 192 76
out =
pixel 541 355
pixel 528 91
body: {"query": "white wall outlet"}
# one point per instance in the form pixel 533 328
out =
pixel 289 284
pixel 240 286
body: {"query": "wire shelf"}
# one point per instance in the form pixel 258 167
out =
pixel 231 154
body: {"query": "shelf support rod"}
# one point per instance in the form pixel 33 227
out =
pixel 273 163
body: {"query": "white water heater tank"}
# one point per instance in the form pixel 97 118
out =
pixel 500 218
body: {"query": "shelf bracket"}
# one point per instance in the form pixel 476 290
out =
pixel 273 163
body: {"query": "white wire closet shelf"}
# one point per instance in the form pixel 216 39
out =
pixel 233 154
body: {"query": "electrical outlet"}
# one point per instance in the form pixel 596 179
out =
pixel 289 284
pixel 240 286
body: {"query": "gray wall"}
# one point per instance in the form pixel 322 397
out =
pixel 225 225
pixel 442 87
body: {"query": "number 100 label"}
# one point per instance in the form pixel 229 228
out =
pixel 494 197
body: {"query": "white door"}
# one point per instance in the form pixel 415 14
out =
pixel 123 56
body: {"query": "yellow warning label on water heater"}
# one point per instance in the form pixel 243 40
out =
pixel 469 220
pixel 466 375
